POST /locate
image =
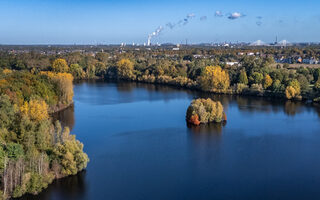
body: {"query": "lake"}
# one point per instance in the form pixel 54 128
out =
pixel 140 147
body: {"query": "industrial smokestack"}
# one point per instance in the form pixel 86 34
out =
pixel 149 40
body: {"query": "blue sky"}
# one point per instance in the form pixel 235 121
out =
pixel 114 22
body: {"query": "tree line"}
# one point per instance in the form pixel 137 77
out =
pixel 254 75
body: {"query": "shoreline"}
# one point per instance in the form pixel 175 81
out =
pixel 267 94
pixel 60 107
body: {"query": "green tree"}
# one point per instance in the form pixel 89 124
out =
pixel 14 150
pixel 76 71
pixel 256 78
pixel 276 86
pixel 317 85
pixel 316 74
pixel 243 79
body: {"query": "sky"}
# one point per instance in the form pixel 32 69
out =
pixel 165 21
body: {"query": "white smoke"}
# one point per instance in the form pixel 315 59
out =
pixel 218 13
pixel 154 34
pixel 171 25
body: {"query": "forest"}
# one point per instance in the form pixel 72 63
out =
pixel 35 149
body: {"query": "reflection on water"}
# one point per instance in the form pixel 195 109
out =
pixel 66 117
pixel 72 187
pixel 207 129
pixel 140 146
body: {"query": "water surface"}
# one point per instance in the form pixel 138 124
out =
pixel 141 148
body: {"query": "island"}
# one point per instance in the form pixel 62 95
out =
pixel 202 111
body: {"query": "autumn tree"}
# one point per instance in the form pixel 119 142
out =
pixel 35 110
pixel 64 85
pixel 125 69
pixel 70 154
pixel 296 85
pixel 214 79
pixel 7 71
pixel 60 65
pixel 91 71
pixel 101 68
pixel 290 92
pixel 267 81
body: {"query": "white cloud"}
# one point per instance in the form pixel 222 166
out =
pixel 235 15
pixel 191 15
pixel 218 13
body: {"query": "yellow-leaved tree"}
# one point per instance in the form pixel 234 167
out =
pixel 290 92
pixel 65 85
pixel 267 81
pixel 293 89
pixel 125 69
pixel 214 79
pixel 60 65
pixel 35 109
pixel 7 71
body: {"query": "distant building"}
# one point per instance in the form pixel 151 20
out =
pixel 310 61
pixel 197 56
pixel 232 63
pixel 176 49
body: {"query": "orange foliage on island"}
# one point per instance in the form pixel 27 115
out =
pixel 194 119
pixel 205 111
pixel 224 117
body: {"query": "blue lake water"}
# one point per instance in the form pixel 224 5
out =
pixel 141 148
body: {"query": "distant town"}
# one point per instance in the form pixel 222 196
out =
pixel 282 52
